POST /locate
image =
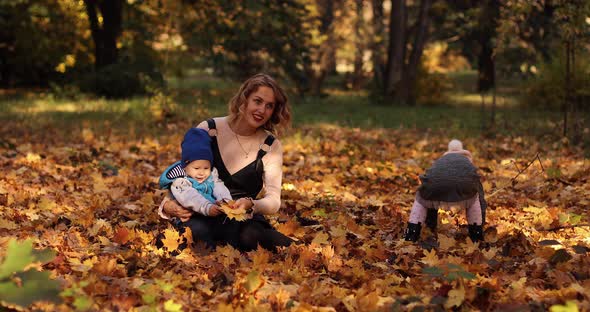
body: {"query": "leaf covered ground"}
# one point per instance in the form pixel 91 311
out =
pixel 92 199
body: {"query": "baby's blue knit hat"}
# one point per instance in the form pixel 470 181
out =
pixel 196 145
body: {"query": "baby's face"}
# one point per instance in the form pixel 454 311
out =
pixel 198 169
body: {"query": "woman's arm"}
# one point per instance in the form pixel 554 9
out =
pixel 169 208
pixel 273 178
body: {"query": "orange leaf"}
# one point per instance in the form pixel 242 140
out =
pixel 121 235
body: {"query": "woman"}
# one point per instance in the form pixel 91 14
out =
pixel 248 158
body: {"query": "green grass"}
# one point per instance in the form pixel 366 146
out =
pixel 198 97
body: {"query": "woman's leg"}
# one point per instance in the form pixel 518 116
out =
pixel 202 229
pixel 255 233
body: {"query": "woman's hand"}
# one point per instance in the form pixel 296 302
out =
pixel 245 203
pixel 214 211
pixel 174 209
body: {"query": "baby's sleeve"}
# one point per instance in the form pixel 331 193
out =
pixel 189 197
pixel 220 191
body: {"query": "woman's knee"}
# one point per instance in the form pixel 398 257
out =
pixel 200 229
pixel 250 236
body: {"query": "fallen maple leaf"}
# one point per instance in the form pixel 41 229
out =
pixel 239 214
pixel 121 235
pixel 430 258
pixel 456 297
pixel 171 239
pixel 445 242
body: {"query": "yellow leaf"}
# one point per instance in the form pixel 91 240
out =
pixel 518 286
pixel 7 224
pixel 253 281
pixel 171 306
pixel 338 232
pixel 491 253
pixel 234 214
pixel 171 239
pixel 445 242
pixel 260 258
pixel 99 185
pixel 469 246
pixel 430 258
pixel 570 306
pixel 289 228
pixel 46 204
pixel 33 158
pixel 320 239
pixel 456 297
pixel 87 135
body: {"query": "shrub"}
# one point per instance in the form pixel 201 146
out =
pixel 432 88
pixel 547 88
pixel 121 80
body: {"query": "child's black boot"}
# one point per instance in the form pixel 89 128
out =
pixel 475 232
pixel 431 219
pixel 413 232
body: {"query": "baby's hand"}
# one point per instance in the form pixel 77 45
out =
pixel 181 184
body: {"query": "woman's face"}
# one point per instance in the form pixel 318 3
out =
pixel 259 107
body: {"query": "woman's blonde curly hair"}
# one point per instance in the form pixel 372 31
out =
pixel 281 115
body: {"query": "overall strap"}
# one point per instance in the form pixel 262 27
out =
pixel 212 126
pixel 217 160
pixel 266 146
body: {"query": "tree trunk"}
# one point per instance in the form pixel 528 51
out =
pixel 488 22
pixel 483 111
pixel 567 86
pixel 408 91
pixel 396 49
pixel 493 111
pixel 323 57
pixel 105 35
pixel 357 75
pixel 377 43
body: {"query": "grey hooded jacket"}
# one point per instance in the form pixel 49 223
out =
pixel 452 178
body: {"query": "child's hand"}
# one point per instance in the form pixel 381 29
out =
pixel 214 211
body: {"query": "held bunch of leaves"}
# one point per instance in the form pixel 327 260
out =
pixel 346 197
pixel 238 214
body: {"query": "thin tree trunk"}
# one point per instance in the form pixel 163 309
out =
pixel 377 43
pixel 408 94
pixel 483 111
pixel 493 113
pixel 324 55
pixel 566 86
pixel 357 75
pixel 576 123
pixel 397 44
pixel 105 36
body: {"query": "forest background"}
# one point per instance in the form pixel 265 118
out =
pixel 96 94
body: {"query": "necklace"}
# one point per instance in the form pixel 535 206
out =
pixel 246 152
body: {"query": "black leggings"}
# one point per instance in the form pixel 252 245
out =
pixel 244 236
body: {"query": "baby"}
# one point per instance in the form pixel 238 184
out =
pixel 452 180
pixel 201 189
